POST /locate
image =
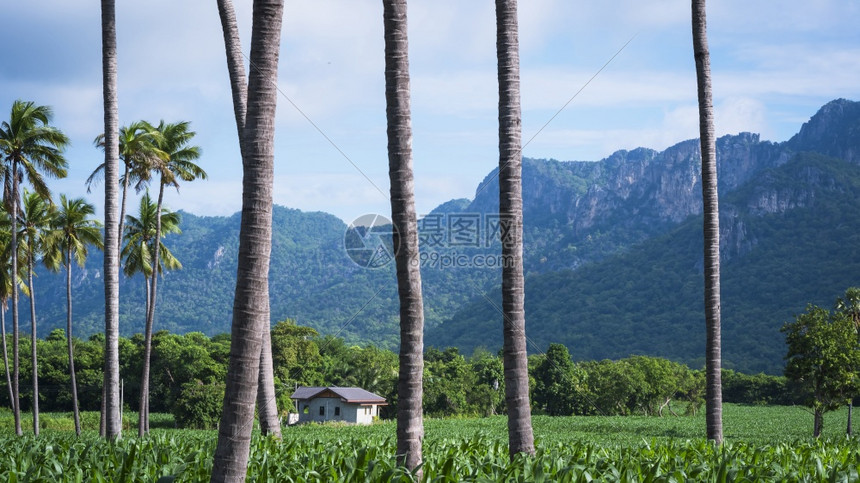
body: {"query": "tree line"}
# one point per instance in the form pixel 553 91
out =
pixel 187 378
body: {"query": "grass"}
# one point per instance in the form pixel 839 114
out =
pixel 89 421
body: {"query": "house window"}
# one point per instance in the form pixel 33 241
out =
pixel 322 410
pixel 306 410
pixel 337 410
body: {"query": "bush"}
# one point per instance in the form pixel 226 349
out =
pixel 199 405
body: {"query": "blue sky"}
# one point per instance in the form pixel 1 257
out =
pixel 774 64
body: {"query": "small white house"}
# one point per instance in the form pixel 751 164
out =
pixel 347 404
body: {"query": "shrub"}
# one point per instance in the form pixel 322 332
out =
pixel 199 405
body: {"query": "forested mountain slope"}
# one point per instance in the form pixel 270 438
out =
pixel 590 228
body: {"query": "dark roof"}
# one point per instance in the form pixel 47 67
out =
pixel 348 394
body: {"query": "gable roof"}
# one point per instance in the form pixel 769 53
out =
pixel 355 395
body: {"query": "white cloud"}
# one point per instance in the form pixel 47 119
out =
pixel 772 68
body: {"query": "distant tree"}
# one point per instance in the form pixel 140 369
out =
pixel 35 218
pixel 447 378
pixel 31 148
pixel 823 357
pixel 139 239
pixel 560 386
pixel 73 231
pixel 711 210
pixel 177 164
pixel 143 244
pixel 850 305
pixel 294 352
pixel 138 151
pixel 199 405
pixel 488 392
pixel 6 281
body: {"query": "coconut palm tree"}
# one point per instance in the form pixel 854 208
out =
pixel 138 151
pixel 31 148
pixel 73 231
pixel 139 239
pixel 35 219
pixel 710 208
pixel 138 254
pixel 520 436
pixel 410 420
pixel 111 425
pixel 251 302
pixel 177 165
pixel 6 293
pixel 266 401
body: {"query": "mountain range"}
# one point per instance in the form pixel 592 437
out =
pixel 613 252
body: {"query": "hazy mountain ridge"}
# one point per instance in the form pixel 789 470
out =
pixel 577 215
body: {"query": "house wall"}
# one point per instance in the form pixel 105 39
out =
pixel 362 414
pixel 350 413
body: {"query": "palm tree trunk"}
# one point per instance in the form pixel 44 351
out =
pixel 251 303
pixel 16 367
pixel 34 341
pixel 143 403
pixel 818 422
pixel 235 66
pixel 710 208
pixel 75 410
pixel 6 356
pixel 266 400
pixel 143 421
pixel 410 418
pixel 102 422
pixel 113 425
pixel 267 405
pixel 122 210
pixel 520 435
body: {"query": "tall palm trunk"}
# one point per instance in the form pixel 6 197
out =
pixel 6 356
pixel 16 367
pixel 713 391
pixel 267 407
pixel 410 419
pixel 251 302
pixel 143 419
pixel 34 339
pixel 520 436
pixel 75 410
pixel 122 209
pixel 113 424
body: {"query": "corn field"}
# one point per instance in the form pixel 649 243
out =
pixel 764 444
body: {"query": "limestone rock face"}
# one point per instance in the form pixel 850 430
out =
pixel 602 206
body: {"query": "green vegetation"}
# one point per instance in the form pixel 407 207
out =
pixel 823 357
pixel 763 444
pixel 188 372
